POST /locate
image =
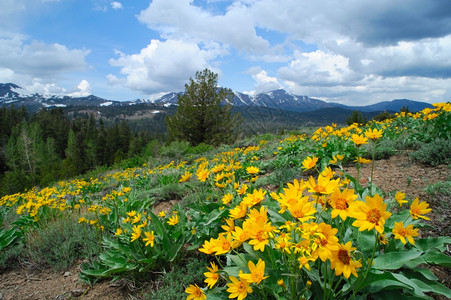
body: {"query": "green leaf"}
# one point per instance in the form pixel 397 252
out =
pixel 432 242
pixel 435 287
pixel 416 289
pixel 159 228
pixel 437 258
pixel 426 273
pixel 174 251
pixel 7 237
pixel 382 281
pixel 365 239
pixel 394 260
pixel 215 215
pixel 415 262
pixel 428 282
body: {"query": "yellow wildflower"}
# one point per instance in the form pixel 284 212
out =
pixel 402 233
pixel 212 275
pixel 238 288
pixel 309 162
pixel 257 272
pixel 195 293
pixel 417 209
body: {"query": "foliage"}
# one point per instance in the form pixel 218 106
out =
pixel 171 284
pixel 59 244
pixel 201 117
pixel 356 117
pixel 441 188
pixel 47 146
pixel 434 153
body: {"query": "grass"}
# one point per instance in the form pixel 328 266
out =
pixel 171 284
pixel 59 244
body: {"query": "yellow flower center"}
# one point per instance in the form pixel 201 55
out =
pixel 320 189
pixel 225 245
pixel 241 287
pixel 415 211
pixel 343 256
pixel 341 203
pixel 373 216
pixel 403 232
pixel 260 236
pixel 299 214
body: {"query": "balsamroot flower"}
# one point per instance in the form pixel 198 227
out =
pixel 342 261
pixel 325 186
pixel 402 233
pixel 238 288
pixel 309 162
pixel 149 239
pixel 341 202
pixel 195 293
pixel 173 220
pixel 373 134
pixel 417 209
pixel 359 139
pixel 400 198
pixel 252 170
pixel 257 272
pixel 185 176
pixel 370 214
pixel 212 276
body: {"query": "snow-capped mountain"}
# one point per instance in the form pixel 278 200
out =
pixel 277 99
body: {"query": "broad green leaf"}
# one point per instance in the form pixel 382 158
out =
pixel 437 258
pixel 159 228
pixel 394 260
pixel 415 262
pixel 215 215
pixel 432 242
pixel 365 239
pixel 416 289
pixel 8 237
pixel 426 284
pixel 174 251
pixel 435 287
pixel 232 271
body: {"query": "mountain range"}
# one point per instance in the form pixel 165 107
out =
pixel 10 93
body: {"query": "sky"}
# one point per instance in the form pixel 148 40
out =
pixel 354 52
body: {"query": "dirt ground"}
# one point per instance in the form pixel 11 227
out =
pixel 398 173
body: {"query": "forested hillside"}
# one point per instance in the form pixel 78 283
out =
pixel 46 146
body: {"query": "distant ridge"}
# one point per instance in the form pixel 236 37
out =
pixel 277 99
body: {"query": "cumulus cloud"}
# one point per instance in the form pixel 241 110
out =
pixel 82 90
pixel 178 19
pixel 116 5
pixel 38 59
pixel 163 66
pixel 263 82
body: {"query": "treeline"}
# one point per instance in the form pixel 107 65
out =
pixel 46 146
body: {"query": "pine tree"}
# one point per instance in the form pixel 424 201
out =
pixel 201 116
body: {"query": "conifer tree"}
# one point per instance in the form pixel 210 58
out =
pixel 203 114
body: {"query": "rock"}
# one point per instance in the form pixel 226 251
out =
pixel 66 274
pixel 77 293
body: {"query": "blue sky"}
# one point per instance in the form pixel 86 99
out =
pixel 350 51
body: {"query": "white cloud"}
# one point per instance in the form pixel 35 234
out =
pixel 318 69
pixel 263 82
pixel 163 66
pixel 116 5
pixel 180 19
pixel 82 90
pixel 37 59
